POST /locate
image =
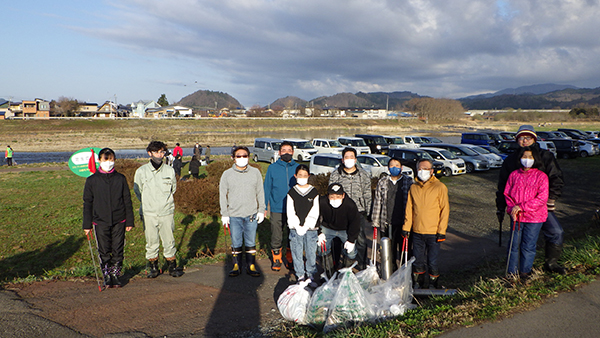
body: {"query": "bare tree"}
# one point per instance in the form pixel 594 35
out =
pixel 435 110
pixel 65 106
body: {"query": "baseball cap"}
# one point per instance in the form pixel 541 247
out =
pixel 335 189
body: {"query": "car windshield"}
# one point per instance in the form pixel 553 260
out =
pixel 418 140
pixel 379 140
pixel 435 140
pixel 335 144
pixel 276 145
pixel 424 155
pixel 468 151
pixel 495 137
pixel 494 150
pixel 481 150
pixel 303 145
pixel 396 140
pixel 384 160
pixel 448 154
pixel 357 143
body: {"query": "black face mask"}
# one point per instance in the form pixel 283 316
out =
pixel 156 161
pixel 286 157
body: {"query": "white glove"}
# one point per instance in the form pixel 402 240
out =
pixel 225 221
pixel 260 217
pixel 349 246
pixel 322 239
pixel 301 231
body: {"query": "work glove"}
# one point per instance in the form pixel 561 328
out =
pixel 260 217
pixel 225 221
pixel 405 233
pixel 440 238
pixel 301 230
pixel 349 247
pixel 322 240
pixel 551 205
pixel 500 215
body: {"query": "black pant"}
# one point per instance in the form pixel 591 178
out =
pixel 111 242
pixel 9 161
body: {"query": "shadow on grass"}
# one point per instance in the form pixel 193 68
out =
pixel 204 240
pixel 38 262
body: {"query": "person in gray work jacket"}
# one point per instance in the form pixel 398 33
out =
pixel 241 197
pixel 154 185
pixel 357 185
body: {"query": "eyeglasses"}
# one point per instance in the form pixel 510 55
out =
pixel 160 152
pixel 241 156
pixel 525 138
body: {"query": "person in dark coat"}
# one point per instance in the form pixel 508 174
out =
pixel 194 168
pixel 107 211
pixel 177 164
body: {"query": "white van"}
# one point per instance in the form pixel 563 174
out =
pixel 415 141
pixel 327 146
pixel 397 142
pixel 303 149
pixel 324 163
pixel 356 143
pixel 266 149
pixel 453 165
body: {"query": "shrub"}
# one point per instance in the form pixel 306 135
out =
pixel 320 182
pixel 127 168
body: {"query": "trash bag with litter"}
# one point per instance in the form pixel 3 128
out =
pixel 293 302
pixel 320 303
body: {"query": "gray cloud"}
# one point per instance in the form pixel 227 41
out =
pixel 263 50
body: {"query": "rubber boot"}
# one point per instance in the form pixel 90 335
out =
pixel 277 262
pixel 153 268
pixel 418 278
pixel 251 262
pixel 115 272
pixel 289 264
pixel 237 262
pixel 106 274
pixel 553 252
pixel 173 270
pixel 434 281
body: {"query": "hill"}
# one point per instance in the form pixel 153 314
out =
pixel 288 102
pixel 393 100
pixel 205 99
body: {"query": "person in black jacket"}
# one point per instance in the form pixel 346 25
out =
pixel 551 229
pixel 177 164
pixel 339 219
pixel 194 168
pixel 108 212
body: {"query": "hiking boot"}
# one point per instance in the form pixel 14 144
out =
pixel 153 268
pixel 115 272
pixel 277 262
pixel 106 274
pixel 174 271
pixel 237 262
pixel 251 262
pixel 553 252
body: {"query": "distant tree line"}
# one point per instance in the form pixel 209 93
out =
pixel 585 112
pixel 435 110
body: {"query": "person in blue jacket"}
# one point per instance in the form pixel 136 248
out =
pixel 278 181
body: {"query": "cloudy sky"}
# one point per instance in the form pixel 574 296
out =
pixel 261 50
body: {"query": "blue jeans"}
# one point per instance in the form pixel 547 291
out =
pixel 342 235
pixel 426 250
pixel 553 232
pixel 522 251
pixel 243 231
pixel 304 245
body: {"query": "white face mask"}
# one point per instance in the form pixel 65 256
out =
pixel 349 163
pixel 241 162
pixel 335 203
pixel 424 175
pixel 527 162
pixel 107 165
pixel 302 181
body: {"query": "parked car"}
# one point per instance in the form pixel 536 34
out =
pixel 431 139
pixel 575 133
pixel 397 142
pixel 413 139
pixel 473 160
pixel 378 165
pixel 509 147
pixel 266 149
pixel 356 143
pixel 410 157
pixel 593 134
pixel 566 148
pixel 587 148
pixel 376 143
pixel 327 146
pixel 303 149
pixel 324 163
pixel 494 160
pixel 495 151
pixel 495 136
pixel 548 145
pixel 477 139
pixel 452 164
pixel 507 135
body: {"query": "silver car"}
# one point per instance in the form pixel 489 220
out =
pixel 378 165
pixel 452 164
pixel 473 160
pixel 324 163
pixel 494 159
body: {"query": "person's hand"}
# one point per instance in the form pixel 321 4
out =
pixel 440 237
pixel 225 221
pixel 87 231
pixel 128 228
pixel 551 204
pixel 322 239
pixel 514 213
pixel 349 246
pixel 405 234
pixel 301 230
pixel 260 217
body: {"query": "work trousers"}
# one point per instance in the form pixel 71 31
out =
pixel 156 229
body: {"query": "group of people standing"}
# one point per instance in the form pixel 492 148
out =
pixel 309 224
pixel 195 164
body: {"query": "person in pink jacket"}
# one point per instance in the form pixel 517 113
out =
pixel 526 195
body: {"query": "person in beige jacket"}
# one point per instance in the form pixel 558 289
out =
pixel 427 212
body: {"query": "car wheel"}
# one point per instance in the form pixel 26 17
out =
pixel 583 153
pixel 272 160
pixel 447 172
pixel 299 158
pixel 470 168
pixel 255 158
